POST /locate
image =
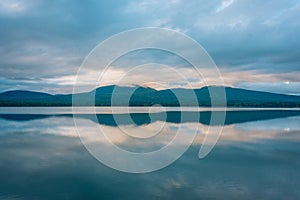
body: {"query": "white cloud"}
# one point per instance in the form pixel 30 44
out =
pixel 224 5
pixel 11 6
pixel 15 7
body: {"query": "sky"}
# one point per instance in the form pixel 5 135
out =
pixel 254 43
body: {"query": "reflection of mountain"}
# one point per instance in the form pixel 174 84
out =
pixel 147 96
pixel 232 117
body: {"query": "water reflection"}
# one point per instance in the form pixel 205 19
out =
pixel 257 156
pixel 232 117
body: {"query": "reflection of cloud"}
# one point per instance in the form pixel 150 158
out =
pixel 283 128
pixel 246 132
pixel 241 169
pixel 161 133
pixel 281 124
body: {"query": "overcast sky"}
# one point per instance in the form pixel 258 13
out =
pixel 254 43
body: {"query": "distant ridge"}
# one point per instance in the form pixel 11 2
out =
pixel 144 96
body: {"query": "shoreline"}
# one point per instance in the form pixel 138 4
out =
pixel 121 109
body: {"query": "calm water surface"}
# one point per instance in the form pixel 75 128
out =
pixel 256 157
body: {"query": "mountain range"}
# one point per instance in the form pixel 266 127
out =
pixel 144 96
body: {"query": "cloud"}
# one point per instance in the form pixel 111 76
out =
pixel 12 6
pixel 278 87
pixel 44 42
pixel 225 4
